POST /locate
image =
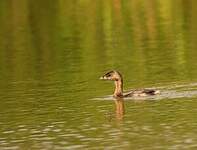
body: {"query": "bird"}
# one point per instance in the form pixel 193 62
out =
pixel 118 92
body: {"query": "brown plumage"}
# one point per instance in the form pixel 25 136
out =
pixel 118 92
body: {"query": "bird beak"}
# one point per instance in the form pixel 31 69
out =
pixel 103 78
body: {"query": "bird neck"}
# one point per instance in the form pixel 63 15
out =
pixel 118 88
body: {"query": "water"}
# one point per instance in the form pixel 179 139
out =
pixel 52 54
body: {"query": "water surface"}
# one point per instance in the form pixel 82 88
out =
pixel 52 54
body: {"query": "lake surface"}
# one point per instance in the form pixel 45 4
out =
pixel 52 54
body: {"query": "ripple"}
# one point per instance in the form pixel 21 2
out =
pixel 8 132
pixel 10 148
pixel 75 147
pixel 167 92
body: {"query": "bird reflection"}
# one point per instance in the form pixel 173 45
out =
pixel 119 104
pixel 119 110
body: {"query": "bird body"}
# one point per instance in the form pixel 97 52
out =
pixel 118 92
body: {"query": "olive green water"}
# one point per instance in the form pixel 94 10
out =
pixel 53 52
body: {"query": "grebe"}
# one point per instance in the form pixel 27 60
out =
pixel 118 92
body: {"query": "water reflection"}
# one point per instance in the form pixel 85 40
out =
pixel 151 37
pixel 120 109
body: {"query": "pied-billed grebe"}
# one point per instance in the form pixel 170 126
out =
pixel 118 80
